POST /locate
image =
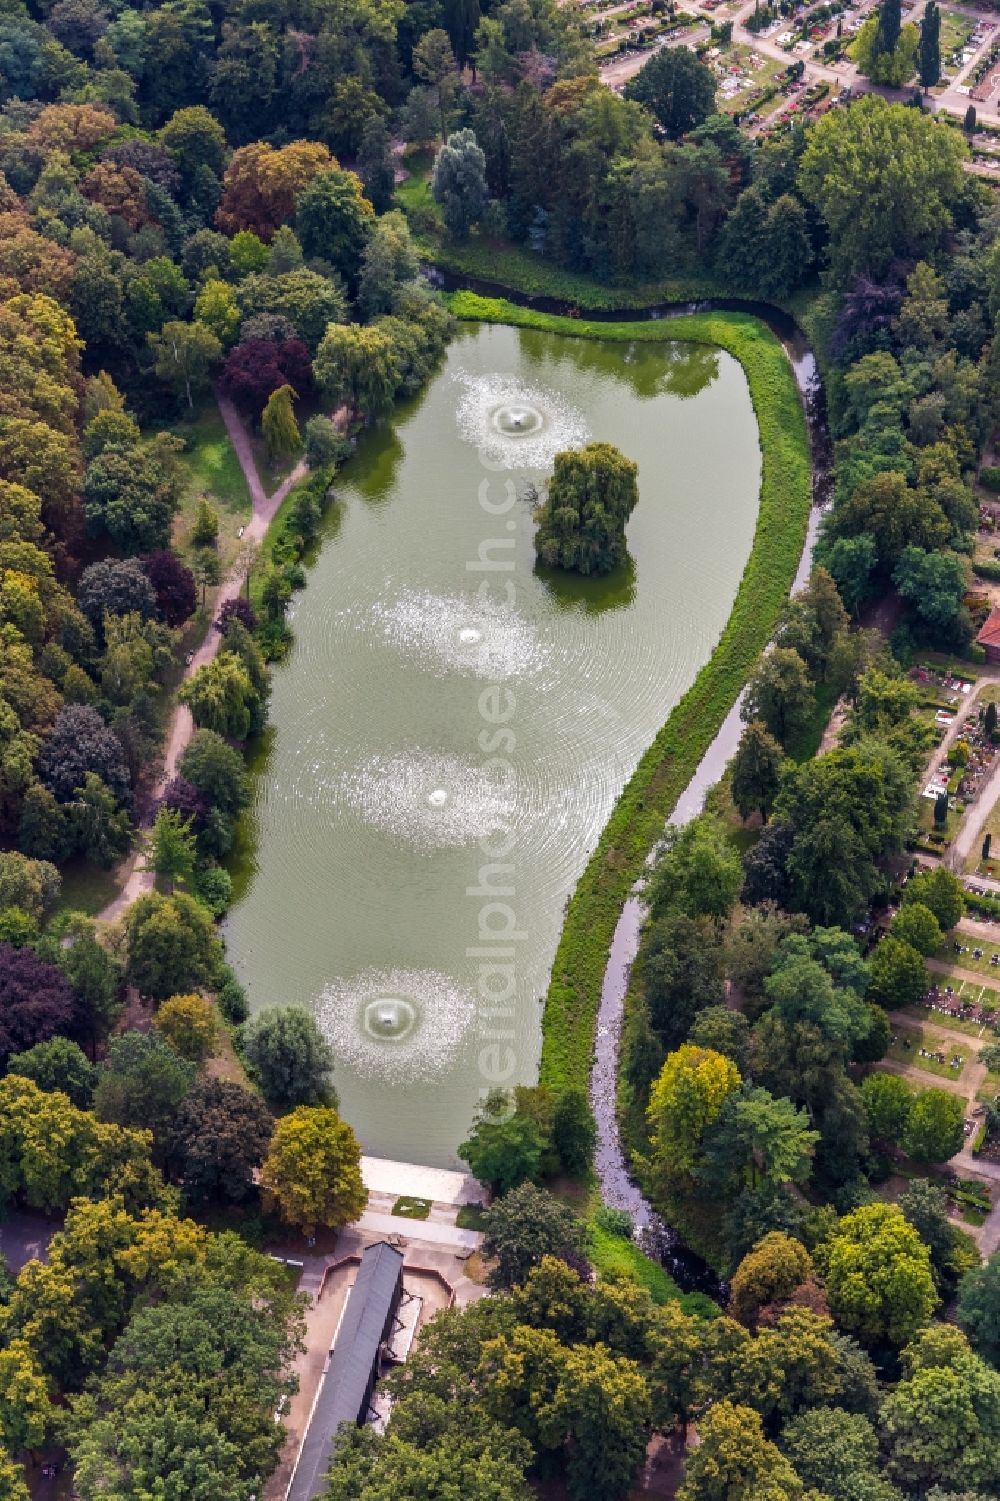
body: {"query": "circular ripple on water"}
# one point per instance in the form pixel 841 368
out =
pixel 432 801
pixel 451 633
pixel 515 425
pixel 399 1026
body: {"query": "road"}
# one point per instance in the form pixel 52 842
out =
pixel 968 837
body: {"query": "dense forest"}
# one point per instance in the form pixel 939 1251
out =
pixel 235 200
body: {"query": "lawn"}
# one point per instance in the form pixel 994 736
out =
pixel 213 473
pixel 271 471
pixel 471 1217
pixel 409 1208
pixel 86 888
pixel 955 32
pixel 918 1038
pixel 974 865
pixel 925 818
pixel 616 1258
pixel 754 70
pixel 989 1089
pixel 949 1023
pixel 966 960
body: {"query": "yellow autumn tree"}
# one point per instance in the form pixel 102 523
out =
pixel 687 1097
pixel 188 1023
pixel 312 1173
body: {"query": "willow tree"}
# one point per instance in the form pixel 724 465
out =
pixel 278 424
pixel 581 525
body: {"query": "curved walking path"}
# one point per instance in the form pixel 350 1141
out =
pixel 138 878
pixel 618 1188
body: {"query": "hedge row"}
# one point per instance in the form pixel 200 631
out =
pixel 638 817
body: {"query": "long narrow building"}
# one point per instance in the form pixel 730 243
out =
pixel 345 1392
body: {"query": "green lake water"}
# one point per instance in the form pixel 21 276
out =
pixel 452 728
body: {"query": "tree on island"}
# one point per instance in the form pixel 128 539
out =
pixel 581 525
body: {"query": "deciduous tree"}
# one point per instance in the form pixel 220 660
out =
pixel 780 694
pixel 217 770
pixel 505 1147
pixel 221 697
pixel 686 1099
pixel 522 1228
pixel 458 183
pixel 677 88
pixel 916 925
pixel 356 368
pixel 312 1172
pixel 884 179
pixel 58 1064
pixel 934 1130
pixel 189 1024
pixel 940 1424
pixel 735 1458
pixel 333 219
pixel 36 1001
pixel 184 354
pixel 888 1102
pixel 769 1273
pixel 291 1057
pixel 979 1308
pixel 899 974
pixel 878 1275
pixel 941 891
pixel 172 945
pixel 142 1082
pixel 220 1136
pixel 82 742
pixel 171 850
pixel 173 584
pixel 278 424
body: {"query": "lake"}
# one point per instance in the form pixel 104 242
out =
pixel 452 726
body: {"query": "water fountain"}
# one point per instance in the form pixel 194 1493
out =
pixel 355 893
pixel 427 800
pixel 397 1026
pixel 454 633
pixel 517 426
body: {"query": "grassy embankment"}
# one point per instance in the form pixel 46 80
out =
pixel 668 765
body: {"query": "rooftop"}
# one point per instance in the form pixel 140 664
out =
pixel 990 633
pixel 344 1389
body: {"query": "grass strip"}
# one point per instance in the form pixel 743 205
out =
pixel 647 800
pixel 617 1259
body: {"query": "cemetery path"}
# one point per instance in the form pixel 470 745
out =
pixel 967 838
